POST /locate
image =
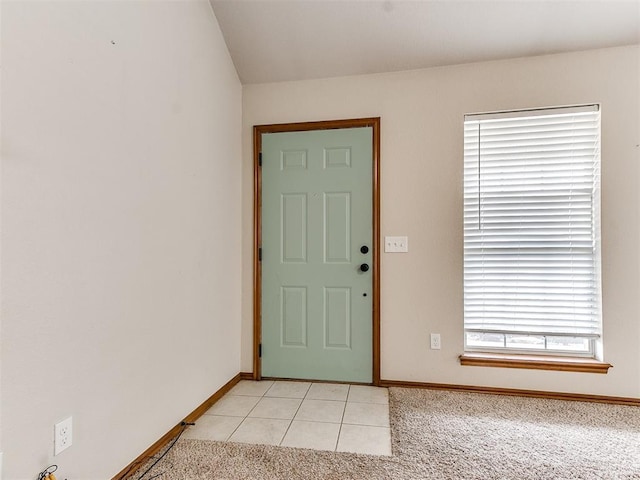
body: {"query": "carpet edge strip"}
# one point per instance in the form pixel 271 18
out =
pixel 579 397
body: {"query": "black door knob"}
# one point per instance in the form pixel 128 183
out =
pixel 364 267
pixel 364 249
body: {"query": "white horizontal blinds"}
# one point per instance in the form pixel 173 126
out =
pixel 530 219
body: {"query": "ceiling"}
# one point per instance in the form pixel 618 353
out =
pixel 279 40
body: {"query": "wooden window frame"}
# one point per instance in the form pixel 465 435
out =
pixel 535 362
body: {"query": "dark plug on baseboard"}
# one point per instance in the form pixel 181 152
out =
pixel 184 424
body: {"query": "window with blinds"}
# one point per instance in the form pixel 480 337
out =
pixel 531 231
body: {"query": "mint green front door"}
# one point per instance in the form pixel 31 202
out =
pixel 317 254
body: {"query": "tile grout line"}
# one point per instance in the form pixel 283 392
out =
pixel 235 429
pixel 294 415
pixel 342 419
pixel 372 424
pixel 249 412
pixel 240 424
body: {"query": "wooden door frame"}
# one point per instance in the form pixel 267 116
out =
pixel 258 130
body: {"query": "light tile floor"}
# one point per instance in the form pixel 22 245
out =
pixel 319 416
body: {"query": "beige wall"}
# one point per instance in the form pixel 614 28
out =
pixel 121 194
pixel 421 167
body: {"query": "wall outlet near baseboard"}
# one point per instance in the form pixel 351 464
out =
pixel 435 341
pixel 63 435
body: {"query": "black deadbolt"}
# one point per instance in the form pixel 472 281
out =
pixel 364 249
pixel 364 267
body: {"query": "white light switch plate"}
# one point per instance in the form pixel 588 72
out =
pixel 396 244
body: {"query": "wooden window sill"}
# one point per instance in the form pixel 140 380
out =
pixel 536 362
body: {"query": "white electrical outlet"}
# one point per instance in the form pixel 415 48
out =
pixel 435 341
pixel 63 435
pixel 396 244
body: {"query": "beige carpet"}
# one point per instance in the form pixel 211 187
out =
pixel 445 435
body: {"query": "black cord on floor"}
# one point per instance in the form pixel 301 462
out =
pixel 184 427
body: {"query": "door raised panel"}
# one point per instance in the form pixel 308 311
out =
pixel 337 317
pixel 293 218
pixel 337 227
pixel 293 316
pixel 293 160
pixel 337 157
